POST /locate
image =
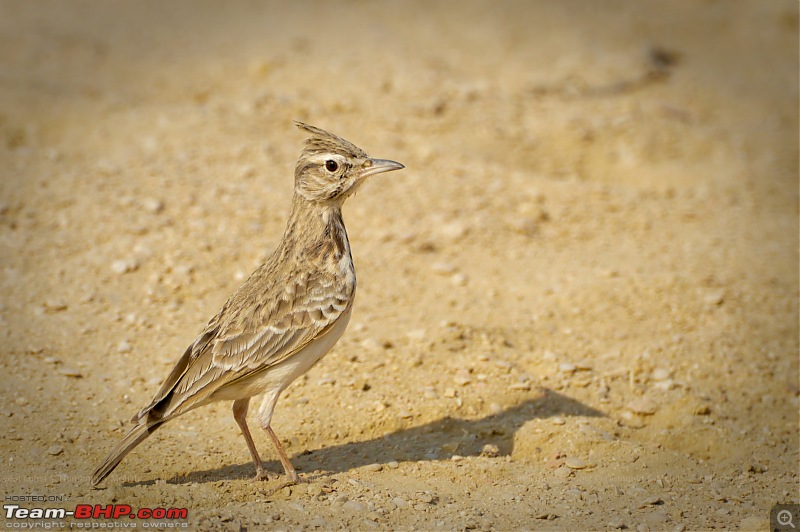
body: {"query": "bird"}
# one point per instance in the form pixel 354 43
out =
pixel 285 316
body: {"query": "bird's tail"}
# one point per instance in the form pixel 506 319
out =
pixel 134 437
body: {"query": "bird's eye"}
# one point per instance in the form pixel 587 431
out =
pixel 331 165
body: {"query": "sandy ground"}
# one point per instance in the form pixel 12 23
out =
pixel 577 307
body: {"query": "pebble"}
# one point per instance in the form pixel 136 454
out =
pixel 563 472
pixel 657 518
pixel 443 268
pixel 318 522
pixel 715 298
pixel 341 499
pixel 459 279
pixel 54 305
pixel 314 490
pixel 55 450
pixel 393 464
pixel 354 506
pixel 400 502
pixel 124 266
pixel 70 372
pixel 616 523
pixel 153 205
pixel 452 230
pixel 573 462
pixel 660 374
pixel 558 420
pixel 566 367
pixel 374 468
pixel 524 386
pixel 462 380
pixel 642 406
pixel 651 501
pixel 490 450
pixel 427 498
pixel 752 523
pixel 124 347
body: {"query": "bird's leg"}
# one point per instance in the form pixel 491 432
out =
pixel 292 477
pixel 240 415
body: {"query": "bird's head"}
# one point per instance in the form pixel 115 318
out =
pixel 330 168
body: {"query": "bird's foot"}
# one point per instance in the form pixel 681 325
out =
pixel 263 474
pixel 290 481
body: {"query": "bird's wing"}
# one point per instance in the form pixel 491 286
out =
pixel 251 333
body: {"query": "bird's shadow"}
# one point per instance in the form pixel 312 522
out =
pixel 436 440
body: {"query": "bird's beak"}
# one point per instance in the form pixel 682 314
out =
pixel 378 166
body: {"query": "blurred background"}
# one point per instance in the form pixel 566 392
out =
pixel 592 254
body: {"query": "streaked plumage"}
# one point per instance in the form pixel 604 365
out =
pixel 286 315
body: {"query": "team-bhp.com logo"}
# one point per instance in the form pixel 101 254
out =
pixel 96 511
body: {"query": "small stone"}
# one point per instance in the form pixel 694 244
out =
pixel 660 374
pixel 658 517
pixel 459 279
pixel 318 522
pixel 55 450
pixel 373 516
pixel 449 392
pixel 490 450
pixel 563 472
pixel 524 386
pixel 373 468
pixel 124 266
pixel 753 523
pixel 124 347
pixel 715 298
pixel 426 498
pixel 70 372
pixel 392 465
pixel 616 523
pixel 558 420
pixel 443 268
pixel 153 205
pixel 341 499
pixel 462 380
pixel 456 458
pixel 400 502
pixel 573 462
pixel 566 367
pixel 55 305
pixel 452 230
pixel 354 506
pixel 702 410
pixel 642 406
pixel 651 501
pixel 314 490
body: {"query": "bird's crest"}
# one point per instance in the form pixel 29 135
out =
pixel 321 141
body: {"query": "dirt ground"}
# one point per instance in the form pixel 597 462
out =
pixel 577 305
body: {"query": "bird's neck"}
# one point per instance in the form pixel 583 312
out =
pixel 317 228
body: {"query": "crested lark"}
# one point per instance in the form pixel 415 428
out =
pixel 284 318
